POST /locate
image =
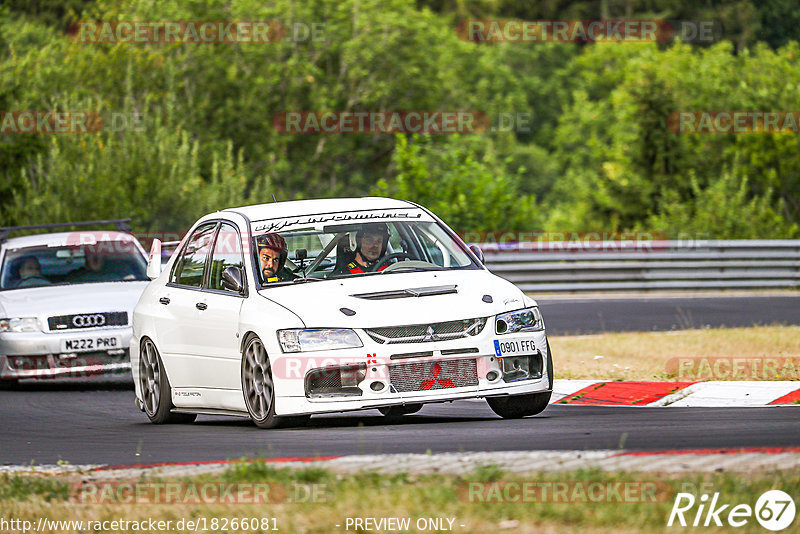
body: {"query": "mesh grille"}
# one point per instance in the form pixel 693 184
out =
pixel 427 376
pixel 323 380
pixel 422 333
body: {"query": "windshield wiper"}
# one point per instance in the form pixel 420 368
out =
pixel 413 268
pixel 302 279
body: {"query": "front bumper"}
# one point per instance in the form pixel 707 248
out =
pixel 481 365
pixel 40 355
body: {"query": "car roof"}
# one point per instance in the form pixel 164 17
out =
pixel 62 239
pixel 294 208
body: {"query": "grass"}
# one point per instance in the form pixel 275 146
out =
pixel 647 355
pixel 414 496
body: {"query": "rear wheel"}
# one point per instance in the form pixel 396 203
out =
pixel 259 389
pixel 399 411
pixel 516 406
pixel 155 387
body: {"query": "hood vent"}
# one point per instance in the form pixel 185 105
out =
pixel 411 292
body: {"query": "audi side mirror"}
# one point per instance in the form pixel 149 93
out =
pixel 477 251
pixel 232 279
pixel 154 262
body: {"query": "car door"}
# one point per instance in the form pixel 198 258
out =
pixel 177 333
pixel 216 329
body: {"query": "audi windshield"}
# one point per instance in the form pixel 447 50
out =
pixel 373 247
pixel 77 264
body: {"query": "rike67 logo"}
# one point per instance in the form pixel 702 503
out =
pixel 774 510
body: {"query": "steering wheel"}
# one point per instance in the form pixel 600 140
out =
pixel 386 259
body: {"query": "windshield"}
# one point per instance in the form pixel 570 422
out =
pixel 84 264
pixel 360 249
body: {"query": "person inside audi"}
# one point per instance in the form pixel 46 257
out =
pixel 30 273
pixel 372 241
pixel 272 253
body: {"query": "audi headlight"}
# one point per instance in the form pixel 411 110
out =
pixel 308 340
pixel 20 324
pixel 527 320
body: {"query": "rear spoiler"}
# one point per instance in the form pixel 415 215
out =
pixel 123 225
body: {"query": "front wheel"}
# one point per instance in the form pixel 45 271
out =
pixel 259 389
pixel 9 383
pixel 517 406
pixel 155 387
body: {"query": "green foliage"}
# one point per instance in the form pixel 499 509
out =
pixel 726 208
pixel 159 181
pixel 464 188
pixel 599 155
pixel 24 487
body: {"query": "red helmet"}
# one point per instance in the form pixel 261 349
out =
pixel 275 242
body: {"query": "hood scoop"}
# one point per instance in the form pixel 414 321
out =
pixel 411 292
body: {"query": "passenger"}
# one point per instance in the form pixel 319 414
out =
pixel 94 268
pixel 272 253
pixel 371 244
pixel 30 273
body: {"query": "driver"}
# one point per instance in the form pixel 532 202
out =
pixel 272 253
pixel 30 273
pixel 371 244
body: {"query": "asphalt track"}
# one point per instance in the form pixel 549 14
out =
pixel 96 422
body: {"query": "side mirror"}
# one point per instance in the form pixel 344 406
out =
pixel 477 251
pixel 154 263
pixel 232 279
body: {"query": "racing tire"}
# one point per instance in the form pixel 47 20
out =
pixel 517 406
pixel 8 383
pixel 155 387
pixel 399 411
pixel 259 389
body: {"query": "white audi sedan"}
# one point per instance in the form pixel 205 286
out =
pixel 66 300
pixel 280 311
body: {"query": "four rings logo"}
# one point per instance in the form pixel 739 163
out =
pixel 85 321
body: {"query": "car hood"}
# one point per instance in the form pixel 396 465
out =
pixel 318 303
pixel 49 301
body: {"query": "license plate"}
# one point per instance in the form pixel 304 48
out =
pixel 94 343
pixel 514 348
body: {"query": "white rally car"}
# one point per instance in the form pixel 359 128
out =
pixel 66 300
pixel 284 310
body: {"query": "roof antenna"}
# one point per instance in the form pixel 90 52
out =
pixel 273 198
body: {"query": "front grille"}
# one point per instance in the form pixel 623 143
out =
pixel 79 321
pixel 43 362
pixel 430 375
pixel 422 333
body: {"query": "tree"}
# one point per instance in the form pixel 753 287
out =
pixel 470 193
